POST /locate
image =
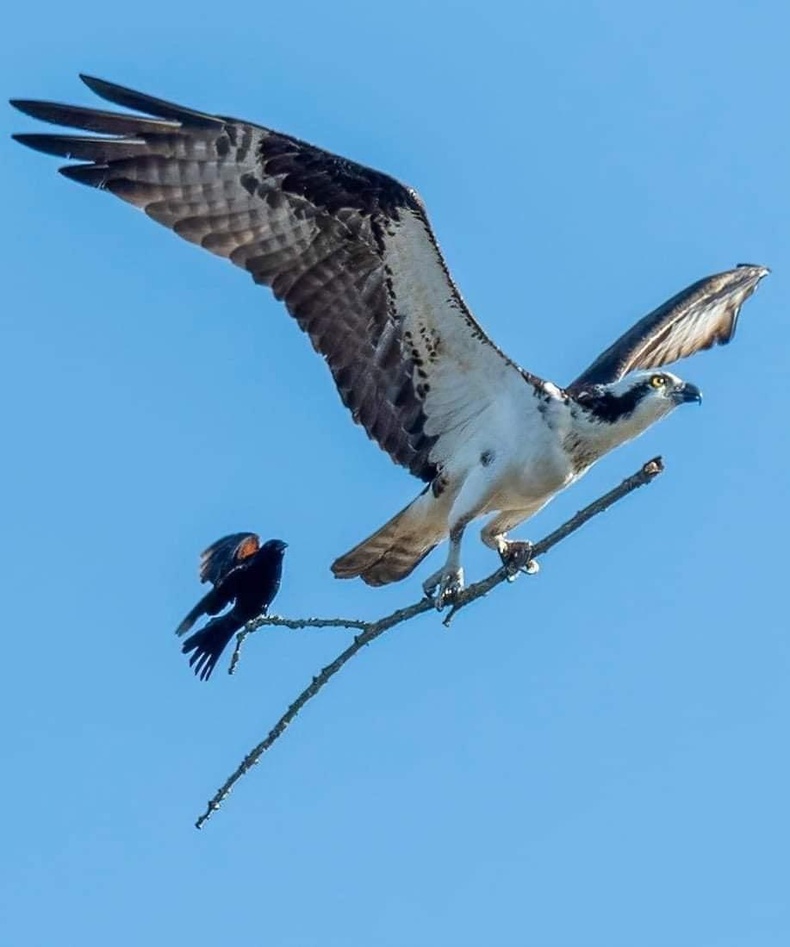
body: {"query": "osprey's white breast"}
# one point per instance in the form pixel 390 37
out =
pixel 523 445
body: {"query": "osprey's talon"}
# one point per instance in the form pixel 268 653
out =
pixel 429 586
pixel 516 557
pixel 444 587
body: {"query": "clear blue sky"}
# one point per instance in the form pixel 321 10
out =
pixel 593 758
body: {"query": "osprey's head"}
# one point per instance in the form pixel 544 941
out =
pixel 608 415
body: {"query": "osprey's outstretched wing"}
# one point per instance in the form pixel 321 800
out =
pixel 349 250
pixel 702 315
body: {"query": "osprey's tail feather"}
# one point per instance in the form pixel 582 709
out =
pixel 395 550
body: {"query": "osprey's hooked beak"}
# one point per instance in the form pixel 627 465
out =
pixel 687 392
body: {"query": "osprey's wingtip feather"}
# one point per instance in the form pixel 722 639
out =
pixel 148 104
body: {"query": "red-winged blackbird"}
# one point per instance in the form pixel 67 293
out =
pixel 243 572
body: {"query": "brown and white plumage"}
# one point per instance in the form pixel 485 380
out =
pixel 700 316
pixel 350 252
pixel 314 227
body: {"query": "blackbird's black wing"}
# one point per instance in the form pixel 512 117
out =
pixel 226 554
pixel 211 604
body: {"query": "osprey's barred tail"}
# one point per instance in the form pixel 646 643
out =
pixel 394 551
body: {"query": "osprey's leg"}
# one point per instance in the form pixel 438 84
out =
pixel 469 502
pixel 448 581
pixel 516 554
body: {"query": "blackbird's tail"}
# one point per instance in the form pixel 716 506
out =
pixel 209 643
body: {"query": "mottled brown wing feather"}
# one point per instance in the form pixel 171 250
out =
pixel 702 315
pixel 309 224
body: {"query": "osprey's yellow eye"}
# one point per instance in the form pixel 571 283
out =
pixel 658 381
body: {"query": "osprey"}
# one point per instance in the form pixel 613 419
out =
pixel 351 253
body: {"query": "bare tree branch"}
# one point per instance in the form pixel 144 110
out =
pixel 370 630
pixel 294 623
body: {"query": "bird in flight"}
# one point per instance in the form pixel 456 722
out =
pixel 242 572
pixel 351 253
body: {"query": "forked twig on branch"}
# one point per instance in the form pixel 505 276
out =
pixel 370 630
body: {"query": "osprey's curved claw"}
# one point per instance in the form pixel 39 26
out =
pixel 516 557
pixel 444 587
